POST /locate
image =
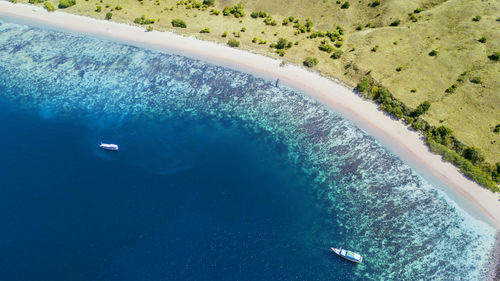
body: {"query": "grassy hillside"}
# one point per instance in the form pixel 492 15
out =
pixel 420 50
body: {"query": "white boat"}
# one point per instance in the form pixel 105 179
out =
pixel 348 255
pixel 109 146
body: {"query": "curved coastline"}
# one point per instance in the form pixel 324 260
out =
pixel 394 135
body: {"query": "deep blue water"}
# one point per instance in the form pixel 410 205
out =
pixel 220 176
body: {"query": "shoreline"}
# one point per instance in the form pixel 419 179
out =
pixel 406 144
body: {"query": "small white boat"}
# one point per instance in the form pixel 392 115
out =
pixel 348 255
pixel 109 146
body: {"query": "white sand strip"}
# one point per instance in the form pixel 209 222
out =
pixel 394 135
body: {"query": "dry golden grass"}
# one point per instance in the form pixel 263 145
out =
pixel 471 111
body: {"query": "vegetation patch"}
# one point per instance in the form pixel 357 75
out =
pixel 237 11
pixel 144 20
pixel 178 23
pixel 233 43
pixel 310 61
pixel 48 6
pixel 66 3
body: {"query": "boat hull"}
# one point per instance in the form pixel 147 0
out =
pixel 340 253
pixel 112 147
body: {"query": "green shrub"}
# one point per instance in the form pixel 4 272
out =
pixel 281 52
pixel 283 44
pixel 310 61
pixel 482 39
pixel 497 128
pixel 178 23
pixel 144 20
pixel 414 90
pixel 224 34
pixel 476 18
pixel 108 15
pixel 48 6
pixel 399 68
pixel 35 1
pixel 237 11
pixel 233 43
pixel 214 12
pixel 433 53
pixel 473 154
pixel 98 9
pixel 118 7
pixel 467 168
pixel 270 21
pixel 13 1
pixel 364 85
pixel 149 28
pixel 66 3
pixel 205 30
pixel 421 109
pixel 209 2
pixel 495 56
pixel 325 47
pixel 441 134
pixel 417 10
pixel 375 48
pixel 337 54
pixel 255 40
pixel 476 80
pixel 375 3
pixel 346 5
pixel 396 22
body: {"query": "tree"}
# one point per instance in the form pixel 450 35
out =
pixel 109 15
pixel 346 5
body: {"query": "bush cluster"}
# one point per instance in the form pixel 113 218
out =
pixel 205 30
pixel 288 20
pixel 66 3
pixel 108 16
pixel 258 14
pixel 303 28
pixel 468 169
pixel 439 139
pixel 375 3
pixel 237 11
pixel 270 21
pixel 325 47
pixel 346 5
pixel 144 20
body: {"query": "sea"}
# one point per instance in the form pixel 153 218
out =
pixel 220 176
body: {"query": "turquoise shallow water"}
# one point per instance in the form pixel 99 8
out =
pixel 171 114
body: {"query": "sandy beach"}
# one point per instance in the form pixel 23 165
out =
pixel 394 135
